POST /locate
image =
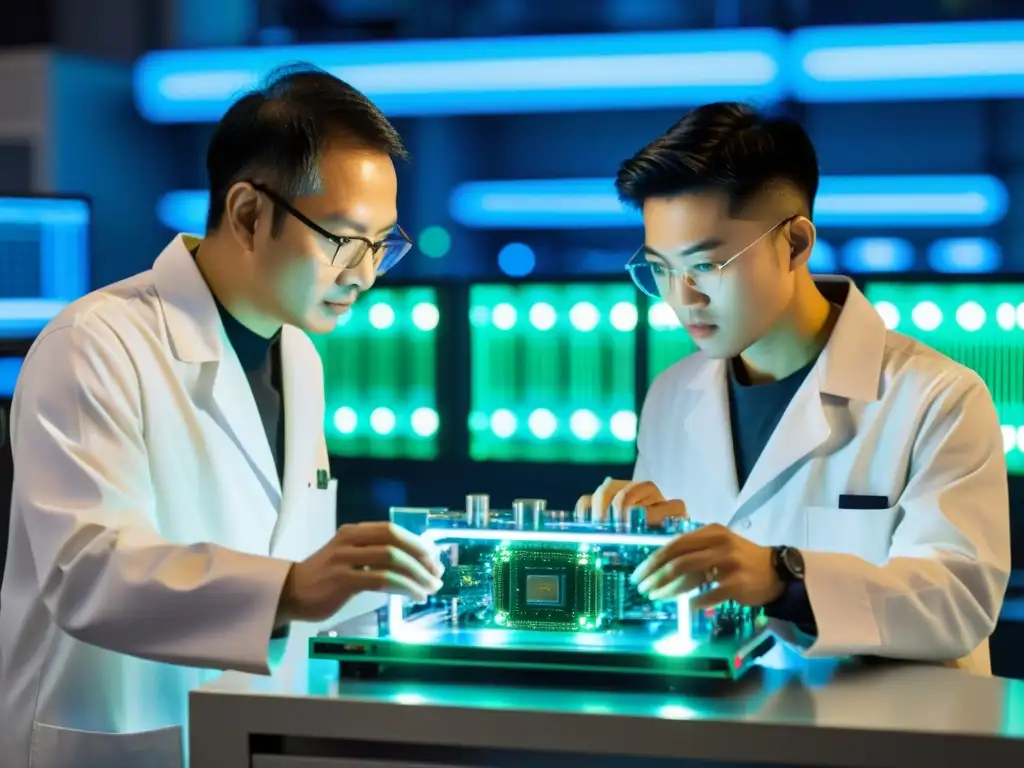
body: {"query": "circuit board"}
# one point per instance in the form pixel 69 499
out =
pixel 555 595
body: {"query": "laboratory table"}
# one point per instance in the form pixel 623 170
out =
pixel 822 714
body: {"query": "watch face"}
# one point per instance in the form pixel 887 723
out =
pixel 794 562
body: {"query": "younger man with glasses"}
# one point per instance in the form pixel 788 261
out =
pixel 171 508
pixel 853 479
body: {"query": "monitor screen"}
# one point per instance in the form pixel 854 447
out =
pixel 44 260
pixel 380 381
pixel 553 372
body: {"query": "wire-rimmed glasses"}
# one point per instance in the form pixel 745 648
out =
pixel 658 280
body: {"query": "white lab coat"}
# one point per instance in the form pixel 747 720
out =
pixel 150 535
pixel 880 414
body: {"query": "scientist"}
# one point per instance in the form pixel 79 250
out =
pixel 171 508
pixel 852 480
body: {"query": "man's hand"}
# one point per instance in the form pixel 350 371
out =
pixel 366 557
pixel 744 571
pixel 617 496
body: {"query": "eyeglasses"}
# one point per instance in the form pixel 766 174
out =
pixel 659 281
pixel 350 250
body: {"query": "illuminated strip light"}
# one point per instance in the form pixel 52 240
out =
pixel 63 232
pixel 965 255
pixel 878 254
pixel 10 367
pixel 843 201
pixel 184 211
pixel 24 318
pixel 484 76
pixel 908 61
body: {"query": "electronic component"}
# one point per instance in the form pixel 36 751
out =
pixel 552 587
pixel 536 588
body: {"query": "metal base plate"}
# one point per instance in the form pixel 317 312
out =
pixel 592 653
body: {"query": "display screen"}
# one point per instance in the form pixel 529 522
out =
pixel 44 260
pixel 553 372
pixel 980 325
pixel 380 380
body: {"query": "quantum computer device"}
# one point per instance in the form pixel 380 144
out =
pixel 529 588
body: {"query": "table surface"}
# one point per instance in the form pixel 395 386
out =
pixel 821 713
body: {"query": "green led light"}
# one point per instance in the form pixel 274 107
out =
pixel 553 373
pixel 979 325
pixel 434 242
pixel 379 376
pixel 667 343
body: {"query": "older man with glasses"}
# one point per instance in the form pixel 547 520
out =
pixel 172 505
pixel 852 480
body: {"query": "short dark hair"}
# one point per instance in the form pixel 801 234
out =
pixel 727 147
pixel 277 134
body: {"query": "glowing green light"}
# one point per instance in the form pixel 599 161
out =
pixel 435 242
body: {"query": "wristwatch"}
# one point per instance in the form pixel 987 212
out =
pixel 788 563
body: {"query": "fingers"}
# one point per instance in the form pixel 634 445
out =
pixel 390 559
pixel 607 498
pixel 680 586
pixel 634 495
pixel 709 537
pixel 659 510
pixel 391 535
pixel 388 582
pixel 726 590
pixel 684 571
pixel 583 503
pixel 602 498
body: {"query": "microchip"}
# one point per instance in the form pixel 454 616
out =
pixel 545 588
pixel 550 588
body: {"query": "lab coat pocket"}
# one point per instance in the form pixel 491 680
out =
pixel 54 747
pixel 866 533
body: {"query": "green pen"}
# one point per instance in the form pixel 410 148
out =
pixel 322 479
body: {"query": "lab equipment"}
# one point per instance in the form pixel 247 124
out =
pixel 537 589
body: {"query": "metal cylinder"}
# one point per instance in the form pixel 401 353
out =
pixel 636 519
pixel 528 513
pixel 556 516
pixel 478 510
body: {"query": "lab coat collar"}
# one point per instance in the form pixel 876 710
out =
pixel 193 324
pixel 850 365
pixel 197 335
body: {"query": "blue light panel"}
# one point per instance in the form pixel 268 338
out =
pixel 184 211
pixel 961 255
pixel 62 228
pixel 10 367
pixel 878 254
pixel 843 201
pixel 962 60
pixel 823 259
pixel 484 76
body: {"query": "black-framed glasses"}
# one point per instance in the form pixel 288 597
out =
pixel 349 250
